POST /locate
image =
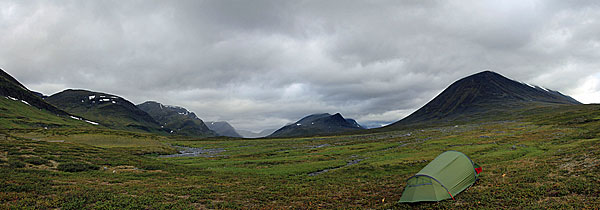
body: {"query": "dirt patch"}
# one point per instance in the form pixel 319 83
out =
pixel 124 168
pixel 579 164
pixel 56 141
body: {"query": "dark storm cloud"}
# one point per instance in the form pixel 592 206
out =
pixel 261 64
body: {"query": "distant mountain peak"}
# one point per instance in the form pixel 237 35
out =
pixel 318 124
pixel 223 128
pixel 487 72
pixel 176 119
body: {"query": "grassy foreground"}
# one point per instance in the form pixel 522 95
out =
pixel 547 159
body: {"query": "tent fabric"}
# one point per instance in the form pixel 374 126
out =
pixel 443 178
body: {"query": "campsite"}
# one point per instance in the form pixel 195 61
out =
pixel 443 178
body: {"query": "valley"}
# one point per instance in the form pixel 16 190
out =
pixel 546 160
pixel 538 149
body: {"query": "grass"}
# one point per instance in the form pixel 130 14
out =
pixel 76 167
pixel 16 115
pixel 141 142
pixel 547 159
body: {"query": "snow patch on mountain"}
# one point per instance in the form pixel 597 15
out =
pixel 543 88
pixel 87 121
pixel 91 122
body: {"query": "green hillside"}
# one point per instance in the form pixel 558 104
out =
pixel 106 109
pixel 15 114
pixel 13 89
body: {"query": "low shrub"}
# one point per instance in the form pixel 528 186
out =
pixel 152 166
pixel 36 160
pixel 16 164
pixel 77 167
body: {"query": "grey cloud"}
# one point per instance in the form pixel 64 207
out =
pixel 261 64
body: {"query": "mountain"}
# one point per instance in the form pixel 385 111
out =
pixel 318 124
pixel 354 123
pixel 109 110
pixel 223 128
pixel 250 134
pixel 41 95
pixel 482 95
pixel 176 119
pixel 13 89
pixel 22 108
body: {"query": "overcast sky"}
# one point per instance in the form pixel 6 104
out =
pixel 262 64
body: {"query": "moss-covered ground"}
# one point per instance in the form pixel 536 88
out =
pixel 548 158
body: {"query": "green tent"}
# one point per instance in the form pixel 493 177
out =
pixel 447 175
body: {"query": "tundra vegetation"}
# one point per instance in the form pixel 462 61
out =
pixel 545 157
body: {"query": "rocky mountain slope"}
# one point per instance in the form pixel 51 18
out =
pixel 177 120
pixel 318 124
